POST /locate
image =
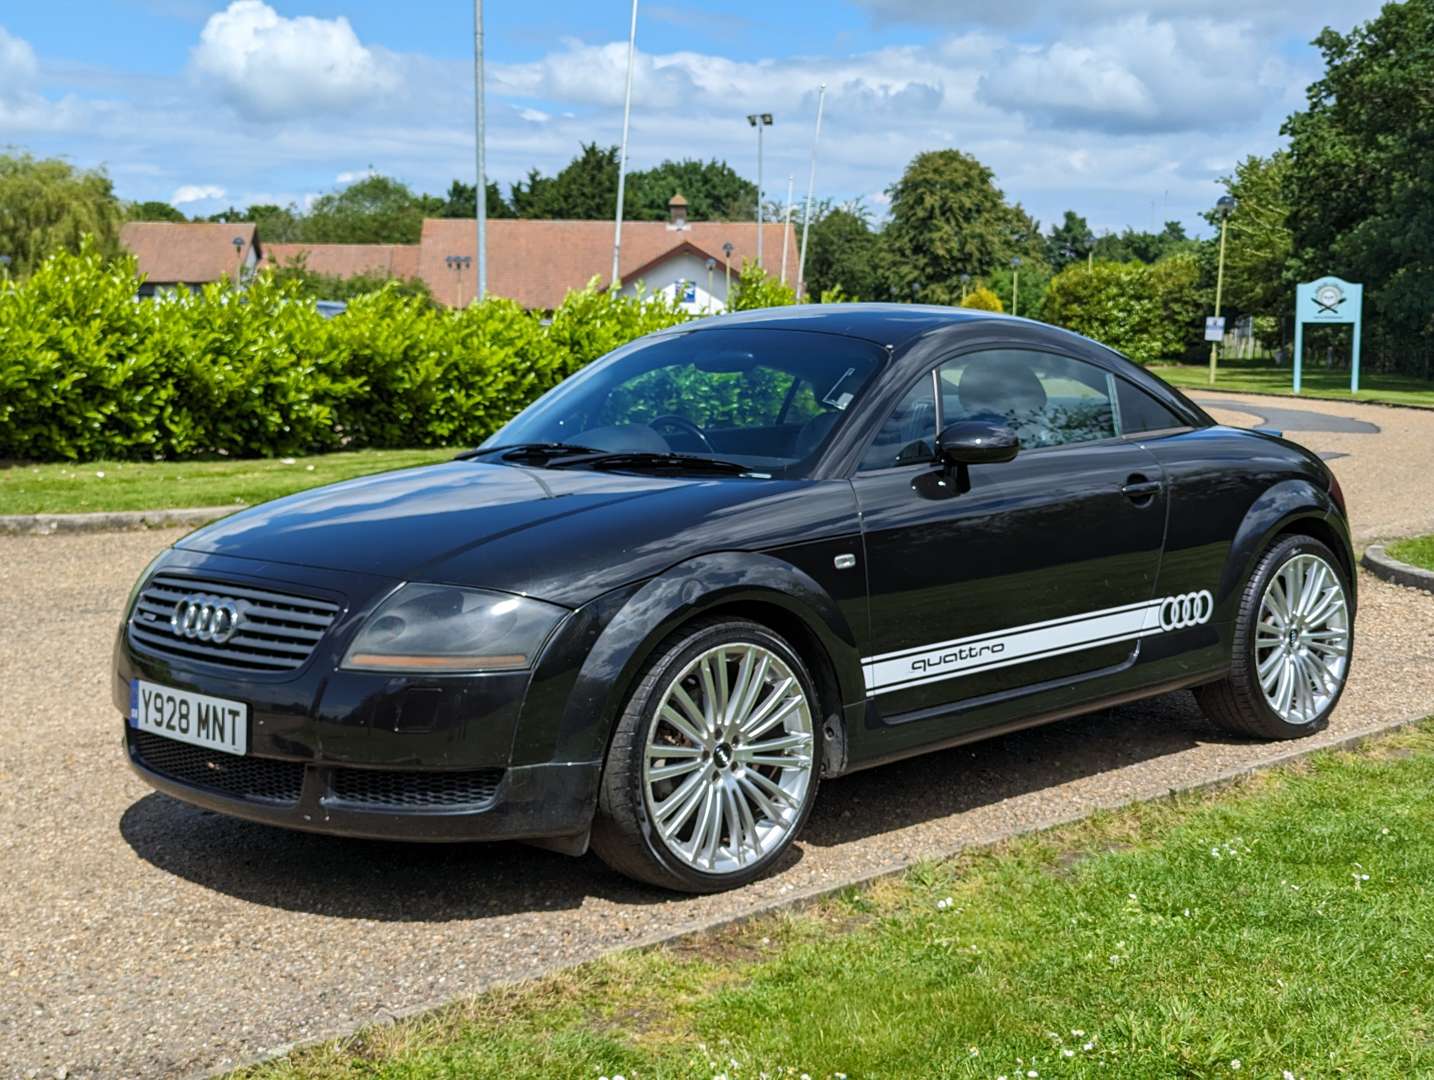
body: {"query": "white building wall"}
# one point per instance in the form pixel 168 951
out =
pixel 663 278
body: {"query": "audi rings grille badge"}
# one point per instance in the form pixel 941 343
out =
pixel 1188 609
pixel 206 618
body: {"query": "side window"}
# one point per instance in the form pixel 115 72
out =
pixel 1048 400
pixel 909 434
pixel 1139 411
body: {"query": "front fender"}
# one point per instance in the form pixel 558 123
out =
pixel 1281 506
pixel 651 613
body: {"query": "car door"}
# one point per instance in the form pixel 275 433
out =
pixel 1041 572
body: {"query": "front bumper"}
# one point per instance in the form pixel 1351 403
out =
pixel 369 754
pixel 515 803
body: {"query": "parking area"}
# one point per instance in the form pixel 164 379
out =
pixel 141 937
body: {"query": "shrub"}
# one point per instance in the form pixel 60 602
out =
pixel 86 371
pixel 756 289
pixel 1148 312
pixel 983 299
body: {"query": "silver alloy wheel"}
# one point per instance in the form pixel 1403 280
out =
pixel 1302 639
pixel 729 758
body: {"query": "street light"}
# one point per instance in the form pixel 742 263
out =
pixel 1224 207
pixel 4 267
pixel 727 253
pixel 711 266
pixel 238 243
pixel 965 287
pixel 1015 284
pixel 759 121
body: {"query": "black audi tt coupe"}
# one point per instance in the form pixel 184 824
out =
pixel 724 563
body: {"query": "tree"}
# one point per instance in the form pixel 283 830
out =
pixel 1148 312
pixel 375 210
pixel 1070 241
pixel 713 190
pixel 947 218
pixel 1361 175
pixel 755 288
pixel 48 206
pixel 1258 239
pixel 583 190
pixel 153 210
pixel 462 201
pixel 274 224
pixel 1146 247
pixel 842 253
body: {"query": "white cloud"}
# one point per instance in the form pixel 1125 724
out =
pixel 534 116
pixel 18 66
pixel 192 193
pixel 270 67
pixel 350 175
pixel 1135 75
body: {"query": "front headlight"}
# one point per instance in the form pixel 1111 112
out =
pixel 442 628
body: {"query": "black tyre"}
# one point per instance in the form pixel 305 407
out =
pixel 1294 635
pixel 713 768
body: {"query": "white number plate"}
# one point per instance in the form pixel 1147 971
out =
pixel 214 722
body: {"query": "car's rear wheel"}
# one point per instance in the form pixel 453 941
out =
pixel 714 765
pixel 1293 638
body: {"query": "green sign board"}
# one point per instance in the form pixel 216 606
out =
pixel 1328 300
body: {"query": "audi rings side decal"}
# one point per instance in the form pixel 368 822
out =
pixel 941 660
pixel 1186 610
pixel 206 618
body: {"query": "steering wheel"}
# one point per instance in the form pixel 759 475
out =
pixel 684 425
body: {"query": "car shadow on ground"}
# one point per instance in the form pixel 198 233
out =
pixel 388 881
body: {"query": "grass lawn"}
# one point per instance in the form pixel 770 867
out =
pixel 1418 551
pixel 1262 376
pixel 132 485
pixel 1282 928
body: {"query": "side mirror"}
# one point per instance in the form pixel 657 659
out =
pixel 977 442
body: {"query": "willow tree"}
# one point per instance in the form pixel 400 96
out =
pixel 48 206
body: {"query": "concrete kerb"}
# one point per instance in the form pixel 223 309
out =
pixel 110 520
pixel 1379 563
pixel 806 898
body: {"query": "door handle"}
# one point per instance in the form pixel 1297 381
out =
pixel 1140 490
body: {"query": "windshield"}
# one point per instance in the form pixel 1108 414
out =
pixel 763 398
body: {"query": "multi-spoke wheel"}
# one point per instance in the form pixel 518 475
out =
pixel 1293 637
pixel 714 765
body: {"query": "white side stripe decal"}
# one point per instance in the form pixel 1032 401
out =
pixel 1036 641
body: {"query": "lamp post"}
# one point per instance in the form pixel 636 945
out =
pixel 480 120
pixel 965 288
pixel 759 121
pixel 4 267
pixel 1015 284
pixel 1224 207
pixel 711 266
pixel 238 243
pixel 727 259
pixel 622 154
pixel 787 224
pixel 458 262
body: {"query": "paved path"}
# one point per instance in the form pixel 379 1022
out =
pixel 140 937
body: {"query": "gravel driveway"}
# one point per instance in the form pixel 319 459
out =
pixel 140 937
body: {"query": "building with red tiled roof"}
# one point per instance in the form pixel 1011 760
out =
pixel 173 255
pixel 536 262
pixel 346 260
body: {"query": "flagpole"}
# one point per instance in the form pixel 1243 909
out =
pixel 479 122
pixel 622 154
pixel 811 191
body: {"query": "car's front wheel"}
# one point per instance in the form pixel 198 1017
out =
pixel 714 765
pixel 1293 637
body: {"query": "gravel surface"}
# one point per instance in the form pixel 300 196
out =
pixel 140 937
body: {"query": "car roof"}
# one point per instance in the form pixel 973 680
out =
pixel 891 325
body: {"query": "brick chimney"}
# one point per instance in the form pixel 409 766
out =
pixel 677 212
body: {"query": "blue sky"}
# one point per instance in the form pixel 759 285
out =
pixel 1127 112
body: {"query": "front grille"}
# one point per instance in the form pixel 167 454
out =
pixel 231 774
pixel 415 790
pixel 276 631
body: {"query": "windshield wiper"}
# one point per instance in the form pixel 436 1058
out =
pixel 529 451
pixel 644 459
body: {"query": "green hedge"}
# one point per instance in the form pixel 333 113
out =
pixel 1149 312
pixel 87 371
